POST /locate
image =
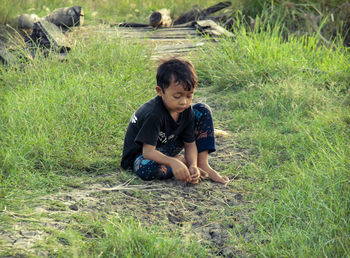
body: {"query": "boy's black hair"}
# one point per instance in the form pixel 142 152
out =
pixel 178 71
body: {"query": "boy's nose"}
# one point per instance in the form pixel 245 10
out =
pixel 183 101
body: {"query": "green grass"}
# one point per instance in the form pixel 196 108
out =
pixel 127 238
pixel 62 116
pixel 286 102
pixel 111 236
pixel 254 58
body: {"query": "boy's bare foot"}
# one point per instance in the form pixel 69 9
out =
pixel 213 175
pixel 204 174
pixel 220 179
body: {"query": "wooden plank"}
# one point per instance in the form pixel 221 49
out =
pixel 144 29
pixel 179 46
pixel 153 34
pixel 165 42
pixel 156 37
pixel 149 31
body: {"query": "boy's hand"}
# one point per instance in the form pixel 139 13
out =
pixel 195 174
pixel 180 171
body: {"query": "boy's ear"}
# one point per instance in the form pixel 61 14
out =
pixel 159 90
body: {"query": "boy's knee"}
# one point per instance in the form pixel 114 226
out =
pixel 164 172
pixel 145 175
pixel 202 107
pixel 201 110
pixel 154 171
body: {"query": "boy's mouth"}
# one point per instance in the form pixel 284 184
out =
pixel 181 109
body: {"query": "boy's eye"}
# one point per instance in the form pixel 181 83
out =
pixel 189 96
pixel 177 97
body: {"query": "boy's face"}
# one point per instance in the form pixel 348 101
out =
pixel 175 98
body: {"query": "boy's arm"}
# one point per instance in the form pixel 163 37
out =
pixel 191 154
pixel 191 157
pixel 180 170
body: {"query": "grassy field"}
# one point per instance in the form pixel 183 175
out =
pixel 286 104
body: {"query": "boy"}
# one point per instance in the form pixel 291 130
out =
pixel 162 127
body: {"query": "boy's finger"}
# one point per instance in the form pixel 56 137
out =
pixel 196 176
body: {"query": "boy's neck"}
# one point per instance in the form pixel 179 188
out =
pixel 175 116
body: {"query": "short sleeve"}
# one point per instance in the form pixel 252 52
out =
pixel 187 134
pixel 148 133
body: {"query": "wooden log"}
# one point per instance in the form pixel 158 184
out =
pixel 155 19
pixel 66 17
pixel 47 35
pixel 160 18
pixel 189 16
pixel 197 14
pixel 63 17
pixel 215 8
pixel 131 25
pixel 211 28
pixel 26 21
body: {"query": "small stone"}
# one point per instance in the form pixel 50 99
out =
pixel 238 197
pixel 28 233
pixel 74 207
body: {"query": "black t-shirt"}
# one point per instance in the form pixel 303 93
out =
pixel 152 124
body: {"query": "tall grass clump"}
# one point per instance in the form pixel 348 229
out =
pixel 263 55
pixel 299 16
pixel 63 116
pixel 128 238
pixel 288 104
